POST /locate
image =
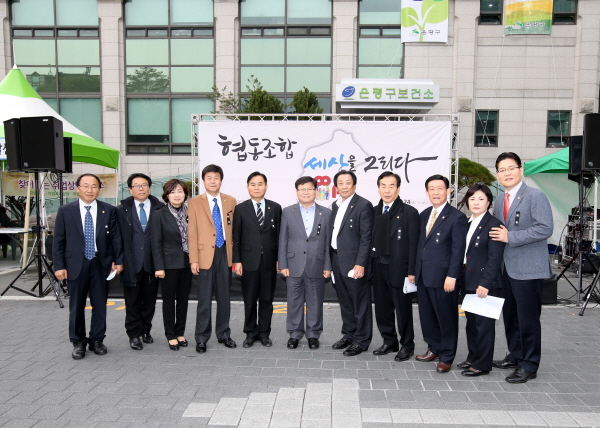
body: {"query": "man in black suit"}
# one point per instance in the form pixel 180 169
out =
pixel 87 248
pixel 440 255
pixel 140 286
pixel 255 246
pixel 394 249
pixel 351 226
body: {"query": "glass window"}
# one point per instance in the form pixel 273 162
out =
pixel 382 12
pixel 379 51
pixel 316 79
pixel 486 128
pixel 33 12
pixel 262 12
pixel 146 12
pixel 181 113
pixel 147 52
pixel 34 52
pixel 383 72
pixel 83 113
pixel 79 79
pixel 148 120
pixel 42 79
pixel 78 52
pixel 559 128
pixel 197 12
pixel 77 12
pixel 22 33
pixel 271 78
pixel 309 50
pixel 565 12
pixel 148 79
pixel 262 51
pixel 192 51
pixel 309 11
pixel 490 12
pixel 192 79
pixel 52 102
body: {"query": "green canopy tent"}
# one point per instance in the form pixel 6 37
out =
pixel 557 163
pixel 19 99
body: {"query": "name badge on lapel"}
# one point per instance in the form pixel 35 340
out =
pixel 399 234
pixel 229 218
pixel 517 217
pixel 437 237
pixel 318 229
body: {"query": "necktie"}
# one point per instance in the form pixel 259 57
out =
pixel 506 205
pixel 216 215
pixel 259 215
pixel 432 222
pixel 386 209
pixel 88 235
pixel 143 218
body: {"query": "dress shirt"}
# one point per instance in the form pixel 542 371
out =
pixel 262 206
pixel 342 208
pixel 439 210
pixel 473 225
pixel 513 194
pixel 93 212
pixel 146 208
pixel 385 205
pixel 211 205
pixel 308 216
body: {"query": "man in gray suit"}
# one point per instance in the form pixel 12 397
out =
pixel 527 215
pixel 305 262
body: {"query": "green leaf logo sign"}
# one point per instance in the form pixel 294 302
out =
pixel 430 12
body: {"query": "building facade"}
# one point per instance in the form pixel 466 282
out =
pixel 130 73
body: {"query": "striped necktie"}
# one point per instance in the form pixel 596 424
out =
pixel 259 214
pixel 432 222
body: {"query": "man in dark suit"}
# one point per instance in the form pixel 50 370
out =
pixel 140 286
pixel 255 244
pixel 394 249
pixel 351 225
pixel 87 248
pixel 440 254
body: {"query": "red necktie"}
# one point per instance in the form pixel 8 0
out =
pixel 506 205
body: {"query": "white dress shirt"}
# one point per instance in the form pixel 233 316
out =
pixel 211 205
pixel 342 208
pixel 473 225
pixel 93 212
pixel 385 205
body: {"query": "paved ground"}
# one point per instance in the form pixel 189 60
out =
pixel 41 386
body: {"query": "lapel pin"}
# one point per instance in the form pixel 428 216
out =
pixel 443 217
pixel 398 217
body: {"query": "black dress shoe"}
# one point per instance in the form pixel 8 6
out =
pixel 147 338
pixel 473 373
pixel 342 344
pixel 520 375
pixel 503 364
pixel 292 343
pixel 98 347
pixel 403 355
pixel 183 342
pixel 78 351
pixel 386 349
pixel 464 365
pixel 136 344
pixel 313 343
pixel 174 347
pixel 353 351
pixel 248 342
pixel 201 347
pixel 229 343
pixel 265 341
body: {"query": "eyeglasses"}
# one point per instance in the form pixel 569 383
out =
pixel 310 189
pixel 509 169
pixel 139 186
pixel 86 187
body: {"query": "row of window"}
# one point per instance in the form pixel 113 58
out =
pixel 563 11
pixel 558 129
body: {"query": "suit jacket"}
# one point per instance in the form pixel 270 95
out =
pixel 201 229
pixel 354 236
pixel 529 223
pixel 404 238
pixel 69 241
pixel 125 213
pixel 300 253
pixel 167 250
pixel 441 253
pixel 250 240
pixel 484 256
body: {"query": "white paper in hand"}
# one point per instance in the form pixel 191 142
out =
pixel 111 275
pixel 351 274
pixel 490 307
pixel 332 277
pixel 409 287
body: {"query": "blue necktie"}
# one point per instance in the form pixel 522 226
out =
pixel 386 209
pixel 89 235
pixel 216 215
pixel 143 218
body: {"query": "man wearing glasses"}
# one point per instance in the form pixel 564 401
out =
pixel 140 286
pixel 305 262
pixel 87 248
pixel 527 215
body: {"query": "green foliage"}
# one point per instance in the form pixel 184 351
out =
pixel 147 79
pixel 15 205
pixel 305 101
pixel 259 101
pixel 470 173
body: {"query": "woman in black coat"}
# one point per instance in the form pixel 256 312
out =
pixel 171 260
pixel 481 276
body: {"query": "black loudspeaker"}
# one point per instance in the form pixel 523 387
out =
pixel 12 141
pixel 591 141
pixel 575 152
pixel 68 155
pixel 550 290
pixel 42 144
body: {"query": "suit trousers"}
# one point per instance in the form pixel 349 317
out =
pixel 140 304
pixel 92 280
pixel 217 281
pixel 389 299
pixel 521 313
pixel 175 291
pixel 312 291
pixel 354 297
pixel 438 312
pixel 258 285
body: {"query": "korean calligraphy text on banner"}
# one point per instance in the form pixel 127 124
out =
pixel 15 184
pixel 527 16
pixel 424 21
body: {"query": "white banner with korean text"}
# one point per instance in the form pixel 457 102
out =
pixel 285 151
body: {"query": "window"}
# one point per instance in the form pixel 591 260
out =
pixel 380 53
pixel 287 46
pixel 490 12
pixel 565 12
pixel 169 58
pixel 559 128
pixel 56 45
pixel 486 128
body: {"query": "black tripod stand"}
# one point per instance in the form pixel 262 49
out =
pixel 43 266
